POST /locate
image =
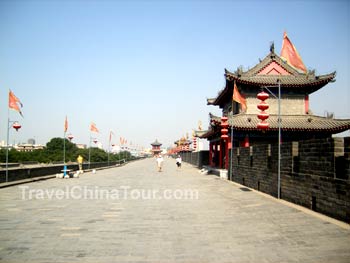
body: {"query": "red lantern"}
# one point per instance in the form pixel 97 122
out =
pixel 224 126
pixel 263 125
pixel 263 115
pixel 263 106
pixel 246 141
pixel 263 96
pixel 16 126
pixel 70 137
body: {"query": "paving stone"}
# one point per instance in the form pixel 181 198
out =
pixel 227 223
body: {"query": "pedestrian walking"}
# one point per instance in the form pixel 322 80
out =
pixel 80 160
pixel 159 162
pixel 178 161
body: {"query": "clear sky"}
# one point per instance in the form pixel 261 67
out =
pixel 145 68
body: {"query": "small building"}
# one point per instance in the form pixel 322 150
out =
pixel 28 147
pixel 156 147
pixel 183 145
pixel 296 120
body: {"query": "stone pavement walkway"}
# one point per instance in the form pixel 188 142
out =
pixel 136 214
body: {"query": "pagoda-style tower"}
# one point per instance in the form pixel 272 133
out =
pixel 296 118
pixel 183 145
pixel 156 147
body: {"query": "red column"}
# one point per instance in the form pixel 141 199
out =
pixel 227 152
pixel 220 154
pixel 210 154
pixel 306 104
pixel 215 154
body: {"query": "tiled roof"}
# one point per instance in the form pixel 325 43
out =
pixel 199 133
pixel 288 122
pixel 289 80
pixel 210 101
pixel 285 80
pixel 296 78
pixel 272 56
pixel 205 134
pixel 156 143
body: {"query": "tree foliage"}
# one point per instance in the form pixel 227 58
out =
pixel 53 152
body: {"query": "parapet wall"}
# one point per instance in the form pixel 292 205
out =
pixel 196 158
pixel 314 173
pixel 26 173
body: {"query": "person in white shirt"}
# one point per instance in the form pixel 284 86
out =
pixel 159 162
pixel 178 161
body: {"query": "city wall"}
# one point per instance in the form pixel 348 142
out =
pixel 15 174
pixel 314 173
pixel 196 158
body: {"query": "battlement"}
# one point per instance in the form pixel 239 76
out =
pixel 314 173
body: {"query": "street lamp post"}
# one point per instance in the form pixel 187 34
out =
pixel 16 126
pixel 91 140
pixel 279 135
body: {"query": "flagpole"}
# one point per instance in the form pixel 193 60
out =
pixel 231 159
pixel 7 144
pixel 279 141
pixel 89 150
pixel 109 146
pixel 64 155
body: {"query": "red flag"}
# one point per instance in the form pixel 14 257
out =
pixel 65 124
pixel 93 127
pixel 110 135
pixel 239 98
pixel 291 55
pixel 15 103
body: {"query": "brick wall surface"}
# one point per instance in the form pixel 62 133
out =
pixel 314 173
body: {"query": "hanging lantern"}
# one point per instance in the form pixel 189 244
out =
pixel 263 106
pixel 95 141
pixel 246 141
pixel 263 96
pixel 224 128
pixel 263 115
pixel 70 137
pixel 263 125
pixel 16 126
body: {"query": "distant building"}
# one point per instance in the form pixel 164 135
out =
pixel 31 141
pixel 81 146
pixel 27 147
pixel 183 145
pixel 156 147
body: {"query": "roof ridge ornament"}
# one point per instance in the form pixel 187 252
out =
pixel 239 71
pixel 272 47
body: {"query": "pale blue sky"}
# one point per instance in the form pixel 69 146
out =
pixel 145 68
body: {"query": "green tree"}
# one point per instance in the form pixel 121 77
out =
pixel 54 150
pixel 98 155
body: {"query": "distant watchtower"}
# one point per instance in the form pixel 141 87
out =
pixel 156 147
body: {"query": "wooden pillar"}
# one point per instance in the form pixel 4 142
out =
pixel 227 144
pixel 220 154
pixel 216 155
pixel 210 154
pixel 306 104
